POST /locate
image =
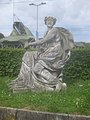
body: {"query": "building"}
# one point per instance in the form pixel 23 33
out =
pixel 18 37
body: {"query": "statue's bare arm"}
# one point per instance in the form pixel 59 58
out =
pixel 47 38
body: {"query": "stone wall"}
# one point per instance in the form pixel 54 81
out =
pixel 18 114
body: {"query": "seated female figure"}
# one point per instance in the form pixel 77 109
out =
pixel 43 69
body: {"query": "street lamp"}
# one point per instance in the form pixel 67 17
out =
pixel 37 5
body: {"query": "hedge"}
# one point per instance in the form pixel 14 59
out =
pixel 78 66
pixel 10 61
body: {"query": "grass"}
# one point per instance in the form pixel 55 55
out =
pixel 75 100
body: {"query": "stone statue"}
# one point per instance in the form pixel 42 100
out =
pixel 42 70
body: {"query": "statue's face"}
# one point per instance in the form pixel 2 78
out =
pixel 50 23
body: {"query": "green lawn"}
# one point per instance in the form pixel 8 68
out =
pixel 75 100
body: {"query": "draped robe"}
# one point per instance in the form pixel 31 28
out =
pixel 43 69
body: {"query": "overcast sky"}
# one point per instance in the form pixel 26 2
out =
pixel 71 14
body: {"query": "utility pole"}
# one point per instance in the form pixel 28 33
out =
pixel 37 5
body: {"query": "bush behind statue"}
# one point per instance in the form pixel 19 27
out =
pixel 78 66
pixel 10 61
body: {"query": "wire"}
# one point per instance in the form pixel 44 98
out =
pixel 4 3
pixel 24 1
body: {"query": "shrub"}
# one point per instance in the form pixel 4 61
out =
pixel 10 61
pixel 77 67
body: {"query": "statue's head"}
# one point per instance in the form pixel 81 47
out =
pixel 50 19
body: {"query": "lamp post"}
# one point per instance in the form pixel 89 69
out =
pixel 37 5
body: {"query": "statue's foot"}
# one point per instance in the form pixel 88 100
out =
pixel 61 86
pixel 64 86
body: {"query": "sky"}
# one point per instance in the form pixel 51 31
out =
pixel 73 15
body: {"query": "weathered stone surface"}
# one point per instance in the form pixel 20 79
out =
pixel 42 70
pixel 19 114
pixel 3 114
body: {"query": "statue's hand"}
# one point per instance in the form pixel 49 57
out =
pixel 26 46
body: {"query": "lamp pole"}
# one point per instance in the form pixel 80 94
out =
pixel 37 5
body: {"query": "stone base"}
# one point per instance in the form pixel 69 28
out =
pixel 18 114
